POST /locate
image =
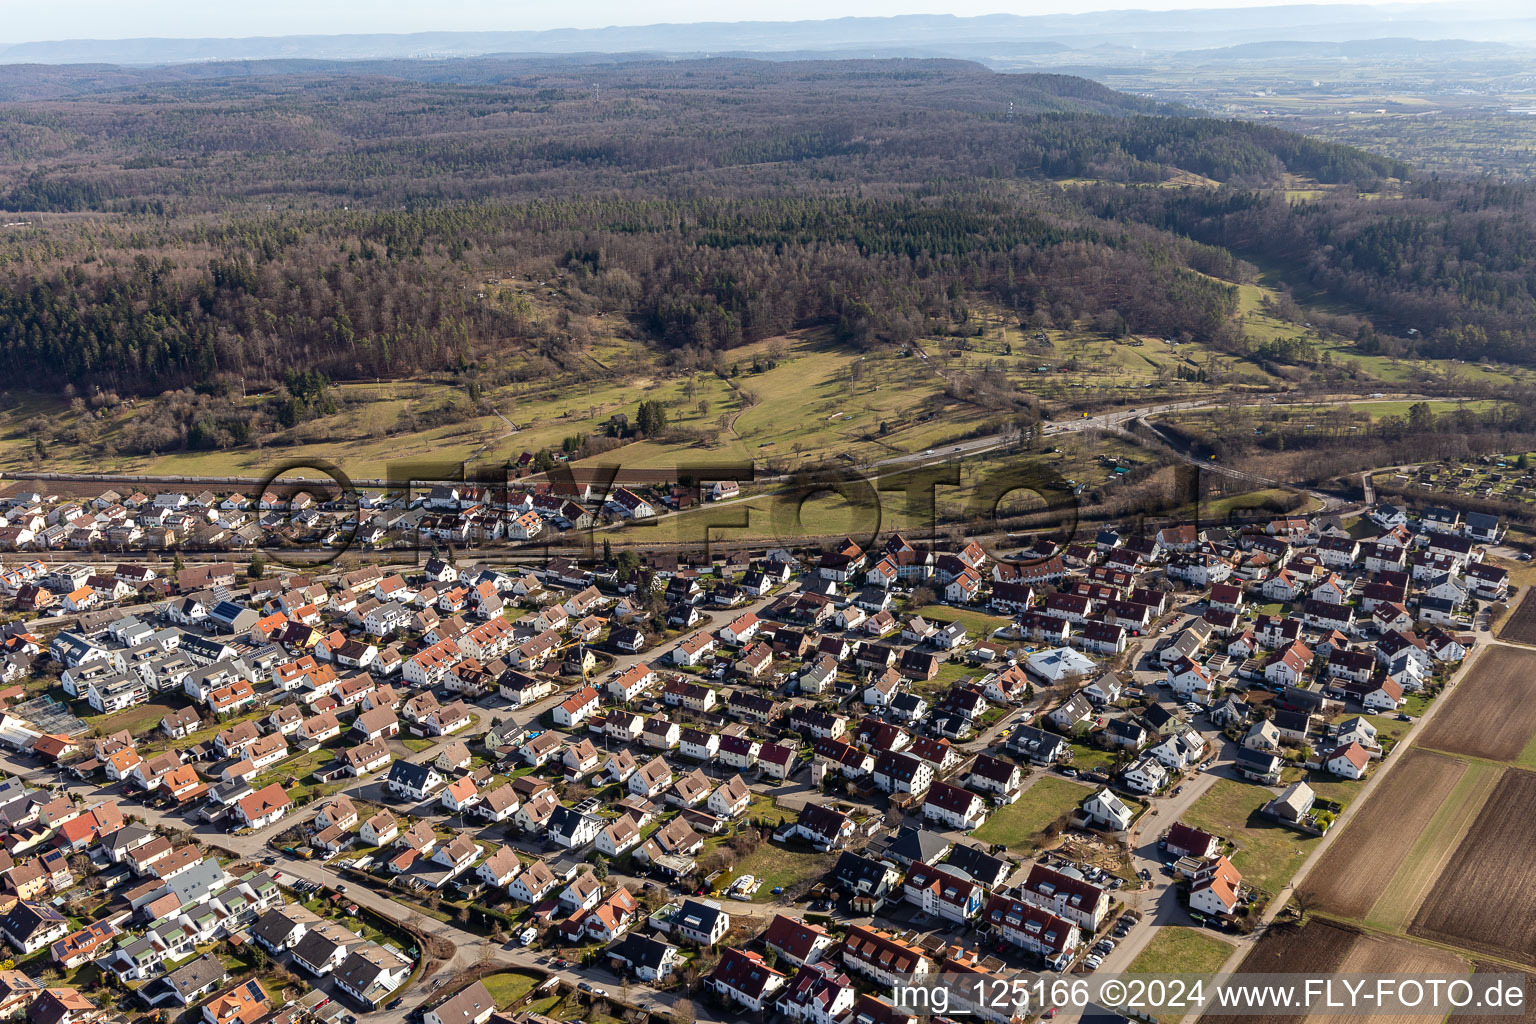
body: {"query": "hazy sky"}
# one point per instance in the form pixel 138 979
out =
pixel 31 20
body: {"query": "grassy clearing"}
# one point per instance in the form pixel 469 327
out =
pixel 138 720
pixel 817 402
pixel 779 867
pixel 572 1005
pixel 509 986
pixel 1417 871
pixel 294 772
pixel 762 808
pixel 1330 787
pixel 950 673
pixel 1086 758
pixel 1376 409
pixel 1177 950
pixel 1020 824
pixel 1389 727
pixel 1266 854
pixel 979 624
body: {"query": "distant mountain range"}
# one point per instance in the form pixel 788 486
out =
pixel 1241 33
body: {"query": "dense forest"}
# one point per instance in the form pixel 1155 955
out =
pixel 172 227
pixel 1451 264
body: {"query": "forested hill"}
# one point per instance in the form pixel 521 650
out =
pixel 347 219
pixel 384 133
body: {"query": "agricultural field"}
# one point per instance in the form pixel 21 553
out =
pixel 1267 854
pixel 1492 967
pixel 1485 899
pixel 807 398
pixel 362 437
pixel 810 399
pixel 1520 626
pixel 1448 114
pixel 1493 714
pixel 1261 325
pixel 1322 947
pixel 1425 804
pixel 875 501
pixel 1073 365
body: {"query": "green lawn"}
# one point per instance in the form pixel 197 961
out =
pixel 1388 727
pixel 778 866
pixel 419 744
pixel 950 673
pixel 1177 950
pixel 1020 823
pixel 571 1005
pixel 1086 758
pixel 979 624
pixel 1325 785
pixel 1267 854
pixel 509 986
pixel 298 767
pixel 762 807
